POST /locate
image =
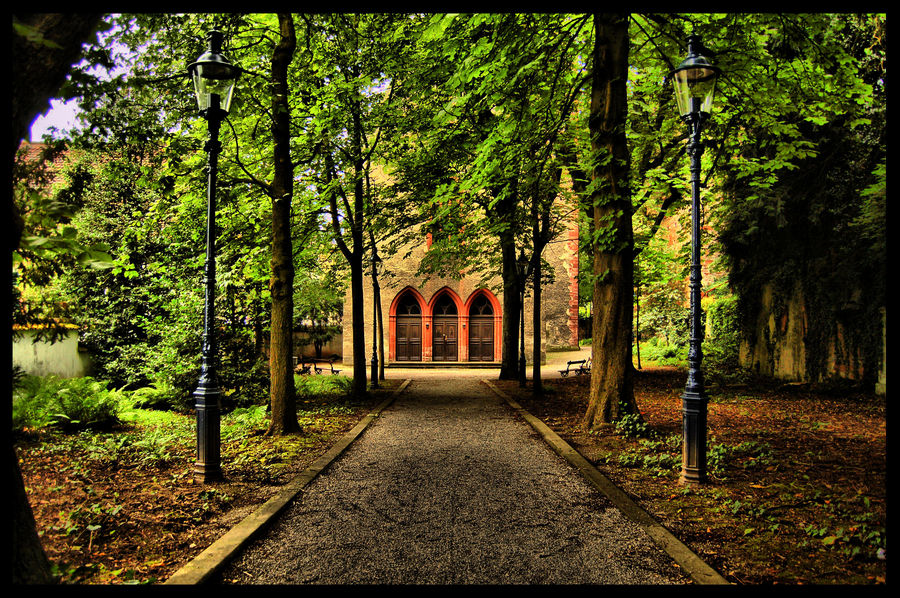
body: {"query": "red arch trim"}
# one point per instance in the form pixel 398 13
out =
pixel 423 305
pixel 495 303
pixel 453 297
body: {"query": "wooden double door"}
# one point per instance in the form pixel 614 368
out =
pixel 445 340
pixel 481 330
pixel 409 331
pixel 481 338
pixel 444 331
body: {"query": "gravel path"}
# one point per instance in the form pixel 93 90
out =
pixel 448 486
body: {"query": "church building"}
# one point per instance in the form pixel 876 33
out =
pixel 443 321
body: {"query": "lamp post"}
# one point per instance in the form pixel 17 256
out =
pixel 376 295
pixel 214 79
pixel 695 83
pixel 522 266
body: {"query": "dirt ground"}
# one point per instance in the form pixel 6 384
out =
pixel 123 521
pixel 798 494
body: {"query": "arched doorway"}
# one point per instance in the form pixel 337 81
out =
pixel 481 330
pixel 444 330
pixel 408 343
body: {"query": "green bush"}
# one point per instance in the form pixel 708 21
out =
pixel 159 395
pixel 721 345
pixel 66 403
pixel 658 351
pixel 312 386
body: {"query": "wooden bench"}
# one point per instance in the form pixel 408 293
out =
pixel 583 367
pixel 305 367
pixel 334 372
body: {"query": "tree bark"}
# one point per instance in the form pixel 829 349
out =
pixel 282 393
pixel 39 68
pixel 511 301
pixel 541 232
pixel 353 253
pixel 611 390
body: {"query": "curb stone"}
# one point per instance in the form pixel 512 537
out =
pixel 202 567
pixel 698 570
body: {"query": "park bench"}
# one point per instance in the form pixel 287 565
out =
pixel 305 367
pixel 334 372
pixel 583 366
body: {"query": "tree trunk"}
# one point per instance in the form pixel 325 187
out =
pixel 281 285
pixel 359 323
pixel 536 384
pixel 511 301
pixel 611 391
pixel 38 69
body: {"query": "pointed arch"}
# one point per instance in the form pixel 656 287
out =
pixel 405 323
pixel 454 297
pixel 484 332
pixel 444 309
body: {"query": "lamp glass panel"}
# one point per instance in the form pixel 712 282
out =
pixel 694 90
pixel 213 80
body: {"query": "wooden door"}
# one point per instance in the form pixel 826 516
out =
pixel 481 330
pixel 444 323
pixel 481 338
pixel 444 339
pixel 409 338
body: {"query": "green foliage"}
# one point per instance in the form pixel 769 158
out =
pixel 317 386
pixel 803 212
pixel 158 395
pixel 243 421
pixel 722 343
pixel 632 425
pixel 70 404
pixel 657 351
pixel 657 457
pixel 749 454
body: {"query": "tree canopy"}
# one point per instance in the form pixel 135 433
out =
pixel 469 125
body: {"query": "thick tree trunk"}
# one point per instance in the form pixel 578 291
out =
pixel 281 285
pixel 39 69
pixel 611 391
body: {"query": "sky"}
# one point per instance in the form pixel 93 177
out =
pixel 60 115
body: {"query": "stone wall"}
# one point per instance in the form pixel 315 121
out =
pixel 62 358
pixel 779 349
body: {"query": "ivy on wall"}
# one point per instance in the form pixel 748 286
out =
pixel 822 224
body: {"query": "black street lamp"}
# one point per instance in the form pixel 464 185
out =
pixel 695 85
pixel 214 79
pixel 376 264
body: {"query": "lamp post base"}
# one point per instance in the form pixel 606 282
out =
pixel 208 465
pixel 204 474
pixel 374 375
pixel 693 462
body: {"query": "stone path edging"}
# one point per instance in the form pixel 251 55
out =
pixel 211 560
pixel 688 560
